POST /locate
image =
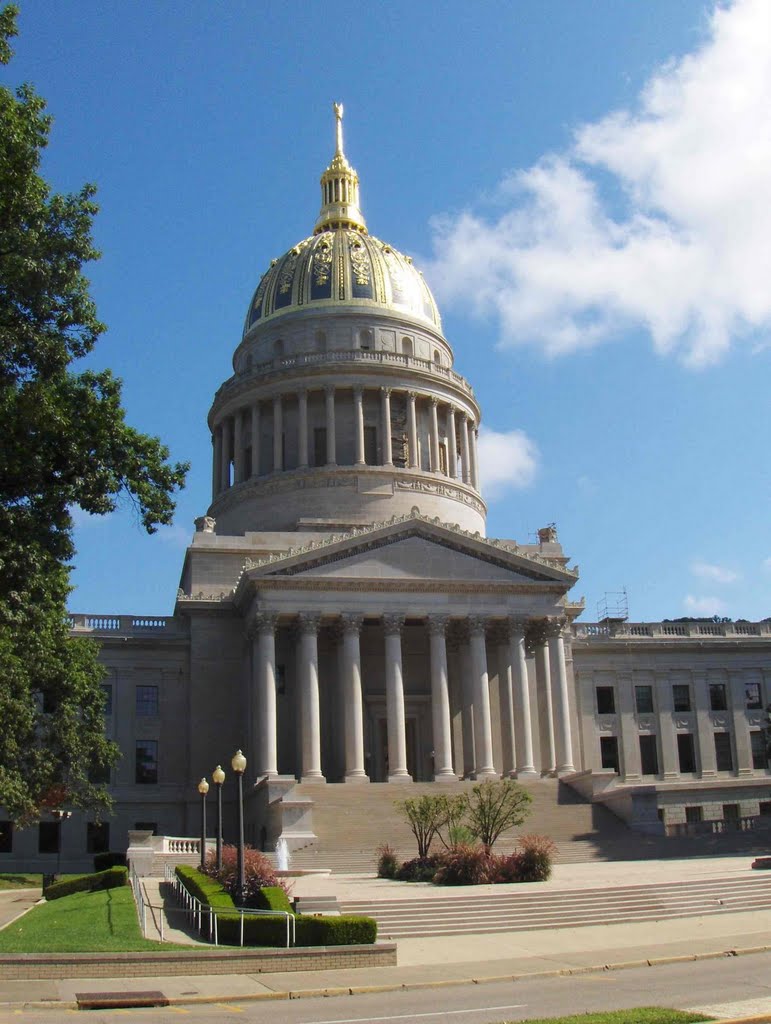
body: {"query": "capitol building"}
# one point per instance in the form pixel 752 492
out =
pixel 344 619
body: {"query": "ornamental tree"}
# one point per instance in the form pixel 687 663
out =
pixel 494 808
pixel 65 443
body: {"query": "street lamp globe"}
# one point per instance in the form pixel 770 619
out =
pixel 203 787
pixel 238 763
pixel 218 776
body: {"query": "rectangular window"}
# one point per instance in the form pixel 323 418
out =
pixel 147 701
pixel 643 696
pixel 370 446
pixel 730 812
pixel 752 697
pixel 681 697
pixel 649 758
pixel 48 837
pixel 146 826
pixel 107 691
pixel 146 766
pixel 717 698
pixel 759 754
pixel 693 815
pixel 685 752
pixel 723 754
pixel 764 809
pixel 606 700
pixel 609 752
pixel 6 837
pixel 97 837
pixel 319 446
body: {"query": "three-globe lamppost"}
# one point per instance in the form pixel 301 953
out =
pixel 238 764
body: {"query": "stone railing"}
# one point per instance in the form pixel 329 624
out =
pixel 349 355
pixel 668 630
pixel 149 854
pixel 718 826
pixel 126 625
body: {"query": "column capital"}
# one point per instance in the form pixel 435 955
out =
pixel 437 624
pixel 517 624
pixel 556 628
pixel 351 622
pixel 358 393
pixel 308 622
pixel 393 624
pixel 477 624
pixel 434 401
pixel 386 392
pixel 301 393
pixel 263 622
pixel 412 395
pixel 329 390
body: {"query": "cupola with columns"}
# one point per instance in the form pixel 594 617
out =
pixel 344 407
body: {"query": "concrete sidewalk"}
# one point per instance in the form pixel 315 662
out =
pixel 454 960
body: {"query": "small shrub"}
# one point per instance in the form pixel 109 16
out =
pixel 535 856
pixel 103 861
pixel 466 865
pixel 508 868
pixel 387 864
pixel 419 869
pixel 113 878
pixel 345 930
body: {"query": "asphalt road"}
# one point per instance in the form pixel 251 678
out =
pixel 684 985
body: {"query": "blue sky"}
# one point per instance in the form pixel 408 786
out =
pixel 584 183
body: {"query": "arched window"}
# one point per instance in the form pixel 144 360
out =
pixel 365 339
pixel 407 346
pixel 437 360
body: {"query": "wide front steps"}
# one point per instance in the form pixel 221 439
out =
pixel 522 908
pixel 352 821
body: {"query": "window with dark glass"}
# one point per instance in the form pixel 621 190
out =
pixel 609 752
pixel 649 758
pixel 319 446
pixel 606 700
pixel 370 446
pixel 759 754
pixel 723 753
pixel 48 833
pixel 686 753
pixel 643 697
pixel 681 697
pixel 730 812
pixel 764 809
pixel 107 691
pixel 146 826
pixel 97 837
pixel 6 836
pixel 717 697
pixel 146 765
pixel 147 701
pixel 694 815
pixel 752 697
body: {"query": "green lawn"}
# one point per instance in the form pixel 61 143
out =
pixel 21 881
pixel 640 1015
pixel 86 922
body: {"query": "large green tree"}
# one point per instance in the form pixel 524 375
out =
pixel 64 442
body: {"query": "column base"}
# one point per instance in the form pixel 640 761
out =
pixel 445 776
pixel 708 775
pixel 528 772
pixel 313 778
pixel 400 777
pixel 743 773
pixel 485 773
pixel 633 777
pixel 564 769
pixel 670 776
pixel 356 777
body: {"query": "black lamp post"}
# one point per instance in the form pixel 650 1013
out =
pixel 238 765
pixel 203 789
pixel 218 777
pixel 60 816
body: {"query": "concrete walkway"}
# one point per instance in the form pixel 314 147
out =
pixel 453 960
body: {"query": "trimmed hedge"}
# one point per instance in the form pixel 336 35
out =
pixel 263 930
pixel 113 878
pixel 273 897
pixel 103 861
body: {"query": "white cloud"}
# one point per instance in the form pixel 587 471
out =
pixel 506 460
pixel 656 217
pixel 703 605
pixel 716 573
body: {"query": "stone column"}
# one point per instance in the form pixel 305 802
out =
pixel 543 677
pixel 435 463
pixel 412 429
pixel 256 439
pixel 452 443
pixel 227 452
pixel 302 429
pixel 737 704
pixel 465 465
pixel 397 736
pixel 264 669
pixel 521 696
pixel 704 727
pixel 354 708
pixel 440 700
pixel 505 680
pixel 670 763
pixel 385 405
pixel 559 676
pixel 358 408
pixel 483 735
pixel 216 461
pixel 631 764
pixel 308 677
pixel 278 434
pixel 238 448
pixel 474 456
pixel 329 396
pixel 467 706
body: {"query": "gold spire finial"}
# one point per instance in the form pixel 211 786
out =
pixel 339 188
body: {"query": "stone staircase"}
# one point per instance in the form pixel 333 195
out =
pixel 522 908
pixel 351 821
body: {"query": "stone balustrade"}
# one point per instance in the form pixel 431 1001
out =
pixel 668 630
pixel 126 625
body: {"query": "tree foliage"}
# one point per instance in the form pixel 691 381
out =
pixel 495 807
pixel 65 443
pixel 426 815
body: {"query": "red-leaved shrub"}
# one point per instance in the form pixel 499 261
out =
pixel 466 865
pixel 535 856
pixel 258 873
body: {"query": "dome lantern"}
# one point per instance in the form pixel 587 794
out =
pixel 339 188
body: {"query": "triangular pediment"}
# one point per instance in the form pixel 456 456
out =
pixel 412 548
